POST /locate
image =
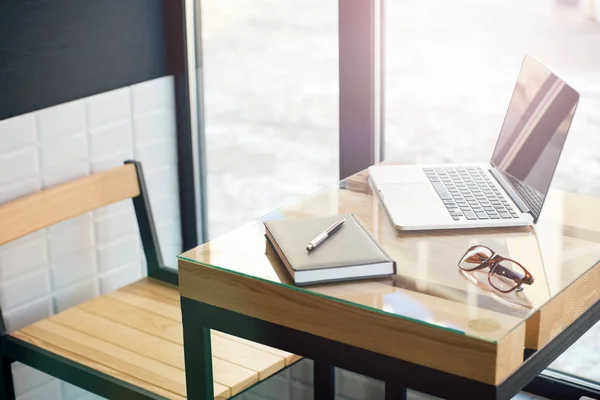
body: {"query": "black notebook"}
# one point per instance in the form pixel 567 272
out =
pixel 350 253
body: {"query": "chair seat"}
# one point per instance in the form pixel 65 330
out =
pixel 135 334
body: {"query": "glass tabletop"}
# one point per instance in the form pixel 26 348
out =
pixel 428 287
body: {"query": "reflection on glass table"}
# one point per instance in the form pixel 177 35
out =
pixel 428 287
pixel 500 277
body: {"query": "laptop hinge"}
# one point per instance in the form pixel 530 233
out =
pixel 510 191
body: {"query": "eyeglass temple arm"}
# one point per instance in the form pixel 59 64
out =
pixel 506 272
pixel 498 269
pixel 481 259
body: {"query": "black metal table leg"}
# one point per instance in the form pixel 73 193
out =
pixel 7 389
pixel 198 355
pixel 397 373
pixel 394 391
pixel 324 381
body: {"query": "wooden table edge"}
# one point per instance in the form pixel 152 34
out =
pixel 445 350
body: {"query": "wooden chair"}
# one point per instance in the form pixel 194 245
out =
pixel 127 343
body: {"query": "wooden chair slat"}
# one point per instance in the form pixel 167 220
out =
pixel 136 332
pixel 39 210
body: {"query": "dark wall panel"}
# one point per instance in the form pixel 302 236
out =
pixel 53 51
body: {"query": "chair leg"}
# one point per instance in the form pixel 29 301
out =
pixel 394 392
pixel 197 354
pixel 324 381
pixel 7 388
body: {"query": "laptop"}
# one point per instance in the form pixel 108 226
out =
pixel 511 189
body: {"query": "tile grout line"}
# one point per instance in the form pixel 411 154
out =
pixel 120 268
pixel 92 225
pixel 50 299
pixel 39 148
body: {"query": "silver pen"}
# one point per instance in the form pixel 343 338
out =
pixel 313 244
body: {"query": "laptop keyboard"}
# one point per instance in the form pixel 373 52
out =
pixel 469 194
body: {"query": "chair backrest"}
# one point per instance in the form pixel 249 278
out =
pixel 47 207
pixel 50 206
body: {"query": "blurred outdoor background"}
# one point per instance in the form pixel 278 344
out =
pixel 271 97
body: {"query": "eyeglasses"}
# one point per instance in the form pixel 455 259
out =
pixel 505 275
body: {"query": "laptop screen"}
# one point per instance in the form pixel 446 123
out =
pixel 534 132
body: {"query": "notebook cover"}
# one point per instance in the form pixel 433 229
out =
pixel 351 245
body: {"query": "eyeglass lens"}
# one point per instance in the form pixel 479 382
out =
pixel 504 275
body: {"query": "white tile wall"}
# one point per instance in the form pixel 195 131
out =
pixel 71 262
pixel 27 379
pixel 61 266
pixel 48 391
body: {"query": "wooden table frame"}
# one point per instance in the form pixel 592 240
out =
pixel 336 331
pixel 199 318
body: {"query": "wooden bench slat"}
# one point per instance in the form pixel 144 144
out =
pixel 263 362
pixel 158 288
pixel 236 377
pixel 119 358
pixel 135 317
pixel 136 331
pixel 290 358
pixel 164 309
pixel 221 392
pixel 108 331
pixel 42 209
pixel 137 290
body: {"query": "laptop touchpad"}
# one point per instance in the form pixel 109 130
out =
pixel 414 204
pixel 415 195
